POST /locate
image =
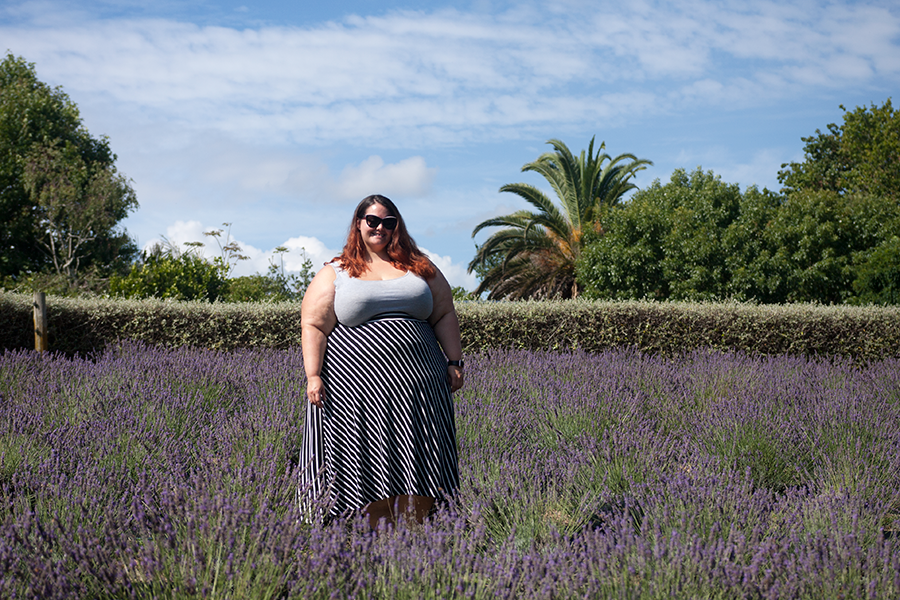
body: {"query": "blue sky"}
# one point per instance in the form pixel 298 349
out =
pixel 280 116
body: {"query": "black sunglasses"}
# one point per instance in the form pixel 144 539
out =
pixel 389 222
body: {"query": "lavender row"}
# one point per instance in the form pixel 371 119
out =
pixel 151 473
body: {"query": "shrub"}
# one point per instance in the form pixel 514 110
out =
pixel 79 325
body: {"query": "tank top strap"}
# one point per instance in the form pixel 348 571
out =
pixel 338 271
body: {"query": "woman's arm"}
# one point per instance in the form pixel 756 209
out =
pixel 316 322
pixel 445 323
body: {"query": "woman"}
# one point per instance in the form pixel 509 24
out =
pixel 380 432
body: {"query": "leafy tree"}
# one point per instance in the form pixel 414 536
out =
pixel 860 156
pixel 461 294
pixel 75 203
pixel 746 249
pixel 60 196
pixel 680 240
pixel 848 193
pixel 697 237
pixel 818 239
pixel 878 274
pixel 535 253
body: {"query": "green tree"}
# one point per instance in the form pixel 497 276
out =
pixel 680 240
pixel 75 203
pixel 818 239
pixel 535 253
pixel 877 274
pixel 60 196
pixel 697 238
pixel 860 156
pixel 842 210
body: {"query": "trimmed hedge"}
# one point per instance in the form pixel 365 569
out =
pixel 671 328
pixel 81 326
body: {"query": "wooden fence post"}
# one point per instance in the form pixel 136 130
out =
pixel 40 322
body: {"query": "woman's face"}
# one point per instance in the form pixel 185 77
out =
pixel 376 238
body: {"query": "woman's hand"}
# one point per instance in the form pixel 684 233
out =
pixel 454 377
pixel 315 391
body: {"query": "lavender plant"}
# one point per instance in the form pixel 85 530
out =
pixel 144 472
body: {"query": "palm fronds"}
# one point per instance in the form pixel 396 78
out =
pixel 534 254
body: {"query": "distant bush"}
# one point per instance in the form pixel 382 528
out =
pixel 80 326
pixel 186 276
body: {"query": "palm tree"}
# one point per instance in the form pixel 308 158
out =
pixel 534 255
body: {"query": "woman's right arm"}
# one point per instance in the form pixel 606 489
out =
pixel 317 319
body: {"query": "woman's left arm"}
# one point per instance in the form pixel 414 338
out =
pixel 445 323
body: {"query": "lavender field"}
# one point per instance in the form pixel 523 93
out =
pixel 153 473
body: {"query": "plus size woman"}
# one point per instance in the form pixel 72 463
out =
pixel 382 354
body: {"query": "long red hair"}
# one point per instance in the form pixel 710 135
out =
pixel 402 249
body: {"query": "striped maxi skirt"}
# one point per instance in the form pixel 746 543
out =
pixel 386 427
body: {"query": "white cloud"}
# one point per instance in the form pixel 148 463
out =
pixel 299 249
pixel 409 177
pixel 454 273
pixel 401 76
pixel 303 247
pixel 762 166
pixel 182 232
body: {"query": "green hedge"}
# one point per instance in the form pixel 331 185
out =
pixel 80 326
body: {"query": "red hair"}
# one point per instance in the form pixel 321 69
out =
pixel 402 249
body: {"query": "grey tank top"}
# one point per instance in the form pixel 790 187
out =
pixel 357 301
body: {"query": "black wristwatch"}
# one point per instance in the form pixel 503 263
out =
pixel 455 363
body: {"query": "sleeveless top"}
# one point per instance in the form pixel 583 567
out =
pixel 357 301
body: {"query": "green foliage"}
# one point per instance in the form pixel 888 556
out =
pixel 255 288
pixel 485 266
pixel 698 238
pixel 814 244
pixel 179 276
pixel 77 202
pixel 168 272
pixel 60 196
pixel 682 240
pixel 826 240
pixel 860 156
pixel 878 274
pixel 460 294
pixel 808 249
pixel 90 282
pixel 535 254
pixel 82 325
pixel 275 286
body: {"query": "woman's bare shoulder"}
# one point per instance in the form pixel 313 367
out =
pixel 323 282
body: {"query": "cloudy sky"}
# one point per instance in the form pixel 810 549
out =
pixel 279 116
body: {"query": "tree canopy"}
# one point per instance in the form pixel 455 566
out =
pixel 679 240
pixel 61 198
pixel 860 156
pixel 699 238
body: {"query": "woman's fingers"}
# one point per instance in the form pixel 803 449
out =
pixel 454 378
pixel 315 391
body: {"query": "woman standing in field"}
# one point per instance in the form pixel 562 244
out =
pixel 380 432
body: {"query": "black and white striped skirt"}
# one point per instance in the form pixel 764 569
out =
pixel 386 427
